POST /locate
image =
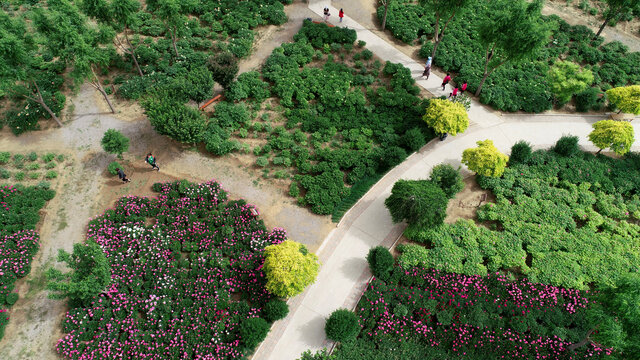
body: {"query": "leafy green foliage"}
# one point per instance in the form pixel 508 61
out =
pixel 342 325
pixel 275 309
pixel 114 142
pixel 616 135
pixel 112 168
pixel 289 268
pixel 567 146
pixel 407 20
pixel 90 274
pixel 520 153
pixel 627 99
pixel 253 331
pixel 170 117
pixel 448 179
pixel 485 159
pixel 248 85
pixel 446 117
pixel 380 261
pixel 590 99
pixel 567 79
pixel 320 34
pixel 418 202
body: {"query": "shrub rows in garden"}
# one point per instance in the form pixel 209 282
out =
pixel 514 87
pixel 428 314
pixel 19 242
pixel 561 217
pixel 186 279
pixel 29 167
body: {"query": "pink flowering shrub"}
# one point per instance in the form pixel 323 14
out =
pixel 472 317
pixel 185 274
pixel 19 242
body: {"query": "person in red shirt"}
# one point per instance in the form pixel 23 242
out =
pixel 463 88
pixel 341 14
pixel 446 80
pixel 454 93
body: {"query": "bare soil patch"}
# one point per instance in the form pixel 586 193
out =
pixel 467 201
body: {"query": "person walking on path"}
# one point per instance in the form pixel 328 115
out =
pixel 341 14
pixel 454 93
pixel 446 80
pixel 152 161
pixel 427 68
pixel 326 14
pixel 463 88
pixel 122 176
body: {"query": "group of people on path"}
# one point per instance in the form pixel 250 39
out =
pixel 445 81
pixel 149 159
pixel 327 14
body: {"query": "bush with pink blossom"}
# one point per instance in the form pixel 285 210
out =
pixel 186 278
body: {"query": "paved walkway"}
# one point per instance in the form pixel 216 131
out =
pixel 344 270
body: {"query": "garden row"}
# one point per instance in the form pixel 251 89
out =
pixel 19 242
pixel 166 46
pixel 523 82
pixel 28 167
pixel 188 274
pixel 342 118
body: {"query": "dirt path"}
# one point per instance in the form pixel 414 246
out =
pixel 84 190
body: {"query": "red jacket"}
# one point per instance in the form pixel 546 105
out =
pixel 446 79
pixel 341 13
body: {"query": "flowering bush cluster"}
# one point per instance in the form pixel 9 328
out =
pixel 185 278
pixel 472 317
pixel 19 241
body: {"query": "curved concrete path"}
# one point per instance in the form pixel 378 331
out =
pixel 344 270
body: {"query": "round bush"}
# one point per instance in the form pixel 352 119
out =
pixel 567 146
pixel 275 309
pixel 419 202
pixel 11 298
pixel 342 325
pixel 588 99
pixel 448 179
pixel 113 166
pixel 520 153
pixel 253 331
pixel 380 261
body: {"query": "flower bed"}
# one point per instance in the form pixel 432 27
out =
pixel 181 287
pixel 457 316
pixel 19 242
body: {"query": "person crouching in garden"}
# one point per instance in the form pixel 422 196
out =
pixel 122 176
pixel 152 161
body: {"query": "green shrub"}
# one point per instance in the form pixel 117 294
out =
pixel 412 255
pixel 366 54
pixel 520 153
pixel 224 66
pixel 112 168
pixel 33 166
pixel 50 165
pixel 262 161
pixel 248 85
pixel 114 142
pixel 294 190
pixel 48 157
pixel 60 158
pixel 275 309
pixel 5 156
pixel 34 175
pixel 174 119
pixel 589 100
pixel 419 202
pixel 4 173
pixel 51 174
pixel 342 326
pixel 320 34
pixel 567 146
pixel 32 156
pixel 253 331
pixel 380 261
pixel 19 176
pixel 11 298
pixel 448 179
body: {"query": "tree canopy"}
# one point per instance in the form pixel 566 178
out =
pixel 446 117
pixel 567 79
pixel 418 202
pixel 625 98
pixel 617 135
pixel 485 159
pixel 289 268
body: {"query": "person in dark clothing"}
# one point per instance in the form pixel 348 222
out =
pixel 152 161
pixel 122 176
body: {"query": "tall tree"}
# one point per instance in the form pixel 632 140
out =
pixel 444 11
pixel 617 135
pixel 625 98
pixel 486 159
pixel 289 268
pixel 122 12
pixel 385 3
pixel 20 64
pixel 446 117
pixel 616 8
pixel 418 202
pixel 513 32
pixel 170 12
